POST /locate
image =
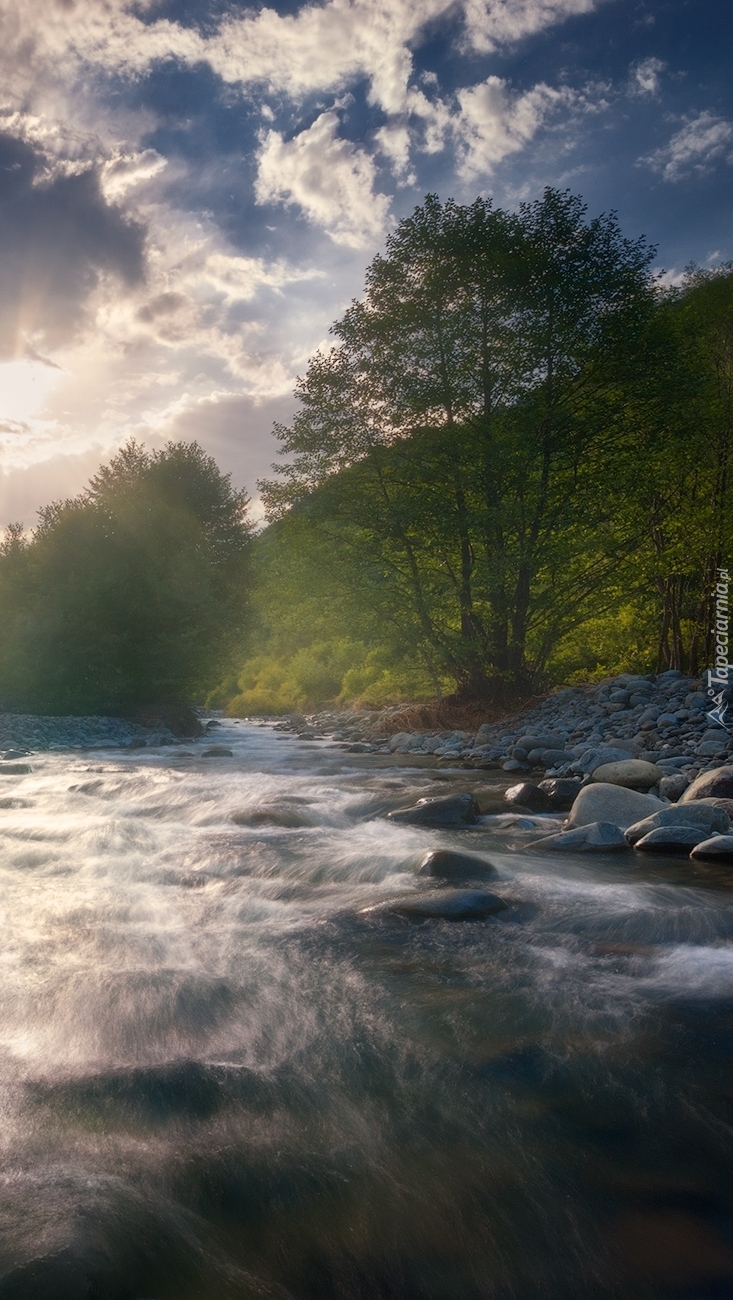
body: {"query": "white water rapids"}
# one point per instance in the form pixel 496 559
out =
pixel 220 1080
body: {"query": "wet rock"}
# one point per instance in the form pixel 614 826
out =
pixel 446 810
pixel 562 792
pixel 447 865
pixel 725 804
pixel 671 839
pixel 595 837
pixel 217 751
pixel 284 817
pixel 716 784
pixel 528 795
pixel 441 905
pixel 15 769
pixel 633 773
pixel 703 816
pixel 599 802
pixel 717 849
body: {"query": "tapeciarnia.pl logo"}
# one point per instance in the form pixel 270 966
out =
pixel 719 678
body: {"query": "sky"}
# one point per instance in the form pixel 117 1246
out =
pixel 191 190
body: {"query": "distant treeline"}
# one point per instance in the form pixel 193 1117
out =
pixel 131 594
pixel 512 467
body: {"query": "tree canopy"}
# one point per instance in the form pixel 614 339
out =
pixel 132 593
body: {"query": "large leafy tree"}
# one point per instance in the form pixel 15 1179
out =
pixel 132 593
pixel 452 434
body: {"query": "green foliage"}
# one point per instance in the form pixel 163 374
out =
pixel 130 594
pixel 456 439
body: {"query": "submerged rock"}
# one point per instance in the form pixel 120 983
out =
pixel 284 817
pixel 442 905
pixel 595 837
pixel 671 839
pixel 717 849
pixel 716 784
pixel 612 803
pixel 446 810
pixel 447 865
pixel 703 816
pixel 217 751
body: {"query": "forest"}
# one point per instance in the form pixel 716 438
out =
pixel 510 470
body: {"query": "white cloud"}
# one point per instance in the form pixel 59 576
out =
pixel 330 179
pixel 124 170
pixel 493 23
pixel 644 77
pixel 493 123
pixel 694 148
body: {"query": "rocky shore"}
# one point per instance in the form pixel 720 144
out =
pixel 660 721
pixel 24 733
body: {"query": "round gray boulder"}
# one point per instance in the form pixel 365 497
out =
pixel 447 865
pixel 717 784
pixel 441 905
pixel 671 839
pixel 446 810
pixel 704 817
pixel 597 837
pixel 633 773
pixel 717 849
pixel 612 803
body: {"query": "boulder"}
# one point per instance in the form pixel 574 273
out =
pixel 217 751
pixel 15 769
pixel 554 757
pixel 671 839
pixel 528 795
pixel 446 810
pixel 447 865
pixel 562 792
pixel 595 837
pixel 612 803
pixel 716 784
pixel 717 849
pixel 633 773
pixel 704 816
pixel 441 905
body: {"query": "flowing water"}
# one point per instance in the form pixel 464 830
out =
pixel 220 1080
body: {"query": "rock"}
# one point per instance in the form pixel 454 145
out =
pixel 528 796
pixel 716 784
pixel 595 837
pixel 711 749
pixel 554 757
pixel 612 803
pixel 593 758
pixel 671 839
pixel 441 905
pixel 671 787
pixel 704 816
pixel 284 817
pixel 561 791
pixel 15 769
pixel 447 865
pixel 717 849
pixel 446 810
pixel 725 804
pixel 217 751
pixel 633 773
pixel 514 765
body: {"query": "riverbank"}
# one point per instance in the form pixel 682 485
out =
pixel 659 719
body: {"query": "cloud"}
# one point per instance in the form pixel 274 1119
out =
pixel 644 77
pixel 493 23
pixel 493 123
pixel 329 178
pixel 694 148
pixel 124 170
pixel 58 239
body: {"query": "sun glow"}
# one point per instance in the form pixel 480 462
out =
pixel 25 386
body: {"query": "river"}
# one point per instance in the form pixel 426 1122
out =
pixel 219 1080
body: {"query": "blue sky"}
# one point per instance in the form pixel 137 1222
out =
pixel 190 191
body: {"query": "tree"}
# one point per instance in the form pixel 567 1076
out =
pixel 449 434
pixel 130 594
